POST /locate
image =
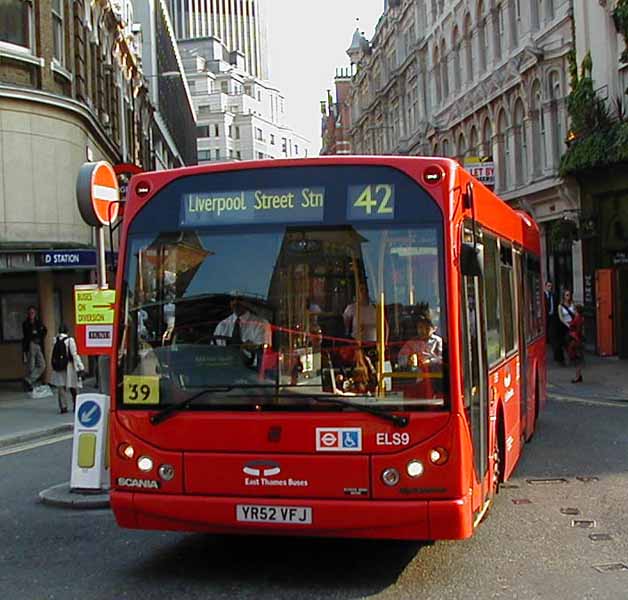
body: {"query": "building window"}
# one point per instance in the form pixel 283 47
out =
pixel 202 131
pixel 272 139
pixel 230 153
pixel 284 145
pixel 521 150
pixel 482 36
pixel 260 155
pixel 224 87
pixel 204 155
pixel 237 133
pixel 515 17
pixel 239 155
pixel 456 50
pixel 217 130
pixel 499 31
pixel 468 43
pixel 230 131
pixel 259 136
pixel 217 153
pixel 296 149
pixel 57 31
pixel 16 25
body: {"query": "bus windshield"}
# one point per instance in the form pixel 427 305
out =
pixel 269 315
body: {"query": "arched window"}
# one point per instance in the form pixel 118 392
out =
pixel 468 48
pixel 538 129
pixel 487 139
pixel 482 36
pixel 503 152
pixel 521 145
pixel 455 45
pixel 444 74
pixel 445 147
pixel 462 147
pixel 434 11
pixel 473 142
pixel 558 130
pixel 437 80
pixel 435 150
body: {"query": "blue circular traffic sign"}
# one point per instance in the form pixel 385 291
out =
pixel 89 414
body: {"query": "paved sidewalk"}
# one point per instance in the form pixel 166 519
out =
pixel 603 379
pixel 23 418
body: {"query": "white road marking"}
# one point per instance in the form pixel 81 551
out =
pixel 595 401
pixel 35 444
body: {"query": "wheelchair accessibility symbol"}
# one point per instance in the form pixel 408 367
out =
pixel 338 439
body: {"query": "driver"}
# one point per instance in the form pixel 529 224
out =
pixel 242 327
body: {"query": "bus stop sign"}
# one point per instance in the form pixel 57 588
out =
pixel 98 194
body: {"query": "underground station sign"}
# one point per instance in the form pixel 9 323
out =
pixel 94 310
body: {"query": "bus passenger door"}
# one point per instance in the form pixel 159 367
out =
pixel 475 381
pixel 525 411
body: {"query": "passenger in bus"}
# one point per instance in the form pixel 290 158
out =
pixel 360 317
pixel 425 350
pixel 244 328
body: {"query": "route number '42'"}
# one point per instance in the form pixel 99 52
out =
pixel 374 201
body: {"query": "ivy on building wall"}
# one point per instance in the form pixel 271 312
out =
pixel 620 17
pixel 596 137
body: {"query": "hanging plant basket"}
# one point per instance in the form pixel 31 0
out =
pixel 564 233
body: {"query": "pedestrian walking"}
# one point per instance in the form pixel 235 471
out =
pixel 33 334
pixel 575 347
pixel 566 313
pixel 67 369
pixel 550 321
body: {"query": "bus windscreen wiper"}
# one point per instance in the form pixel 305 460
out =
pixel 162 415
pixel 398 420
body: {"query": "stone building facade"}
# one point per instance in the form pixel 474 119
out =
pixel 71 91
pixel 485 78
pixel 336 119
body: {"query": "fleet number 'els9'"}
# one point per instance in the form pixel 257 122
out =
pixel 392 439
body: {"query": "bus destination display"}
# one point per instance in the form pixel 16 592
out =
pixel 276 205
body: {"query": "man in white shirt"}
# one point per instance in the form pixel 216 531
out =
pixel 244 328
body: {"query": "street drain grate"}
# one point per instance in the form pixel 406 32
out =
pixel 508 486
pixel 588 479
pixel 570 511
pixel 521 501
pixel 600 537
pixel 611 567
pixel 547 481
pixel 583 523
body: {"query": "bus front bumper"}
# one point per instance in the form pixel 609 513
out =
pixel 403 520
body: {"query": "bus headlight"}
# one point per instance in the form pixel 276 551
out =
pixel 415 468
pixel 145 463
pixel 166 472
pixel 390 476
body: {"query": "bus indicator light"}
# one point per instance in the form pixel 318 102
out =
pixel 433 174
pixel 145 463
pixel 439 456
pixel 142 189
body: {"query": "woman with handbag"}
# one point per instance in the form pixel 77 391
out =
pixel 566 314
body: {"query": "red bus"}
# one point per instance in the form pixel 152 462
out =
pixel 338 346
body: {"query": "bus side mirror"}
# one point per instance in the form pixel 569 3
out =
pixel 471 260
